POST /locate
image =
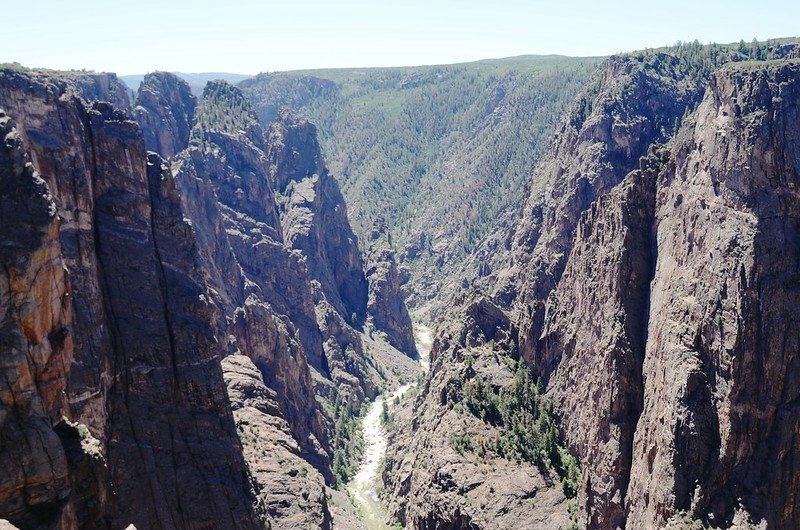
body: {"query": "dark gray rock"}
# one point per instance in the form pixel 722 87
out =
pixel 387 310
pixel 165 108
pixel 314 216
pixel 145 378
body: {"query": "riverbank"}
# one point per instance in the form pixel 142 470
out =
pixel 363 488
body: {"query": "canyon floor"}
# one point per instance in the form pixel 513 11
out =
pixel 363 489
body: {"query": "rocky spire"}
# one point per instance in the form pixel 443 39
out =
pixel 386 309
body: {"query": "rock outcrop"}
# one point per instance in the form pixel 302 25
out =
pixel 630 105
pixel 301 263
pixel 628 328
pixel 165 108
pixel 290 492
pixel 127 280
pixel 275 317
pixel 314 215
pixel 35 341
pixel 129 276
pixel 145 357
pixel 281 302
pixel 385 307
pixel 651 286
pixel 442 470
pixel 595 333
pixel 719 426
pixel 262 289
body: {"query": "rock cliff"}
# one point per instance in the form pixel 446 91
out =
pixel 608 324
pixel 718 429
pixel 183 335
pixel 144 354
pixel 314 215
pixel 36 344
pixel 595 333
pixel 385 307
pixel 171 356
pixel 286 271
pixel 452 464
pixel 165 108
pixel 276 314
pixel 649 278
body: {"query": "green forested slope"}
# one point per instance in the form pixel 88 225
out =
pixel 438 150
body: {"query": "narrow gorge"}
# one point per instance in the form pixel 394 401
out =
pixel 539 292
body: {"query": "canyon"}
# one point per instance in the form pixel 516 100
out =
pixel 199 332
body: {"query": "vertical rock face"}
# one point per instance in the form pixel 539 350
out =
pixel 289 276
pixel 666 314
pixel 628 106
pixel 96 87
pixel 269 321
pixel 719 428
pixel 313 219
pixel 385 307
pixel 35 343
pixel 254 281
pixel 656 304
pixel 595 325
pixel 145 358
pixel 275 315
pixel 214 474
pixel 578 286
pixel 672 320
pixel 54 124
pixel 126 281
pixel 314 215
pixel 165 108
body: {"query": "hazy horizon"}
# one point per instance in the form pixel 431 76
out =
pixel 248 37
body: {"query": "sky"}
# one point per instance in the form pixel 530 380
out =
pixel 251 36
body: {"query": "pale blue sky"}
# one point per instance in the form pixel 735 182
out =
pixel 249 36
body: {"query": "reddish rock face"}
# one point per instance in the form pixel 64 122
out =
pixel 626 108
pixel 128 277
pixel 673 319
pixel 718 430
pixel 145 358
pixel 172 330
pixel 587 252
pixel 314 215
pixel 656 304
pixel 35 341
pixel 594 326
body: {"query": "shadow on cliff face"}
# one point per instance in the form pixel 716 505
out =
pixel 134 276
pixel 655 303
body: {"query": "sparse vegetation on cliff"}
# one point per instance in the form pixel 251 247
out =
pixel 225 109
pixel 528 427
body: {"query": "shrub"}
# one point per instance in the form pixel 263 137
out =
pixel 529 431
pixel 348 441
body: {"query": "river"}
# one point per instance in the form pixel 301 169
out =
pixel 363 487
